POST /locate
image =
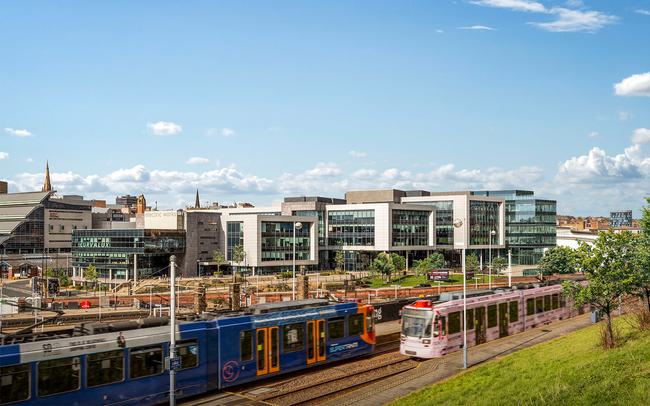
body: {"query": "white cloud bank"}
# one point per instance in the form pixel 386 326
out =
pixel 4 155
pixel 635 85
pixel 16 132
pixel 164 128
pixel 478 28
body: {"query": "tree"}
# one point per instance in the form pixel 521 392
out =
pixel 383 264
pixel 471 262
pixel 238 256
pixel 558 260
pixel 642 257
pixel 499 264
pixel 91 275
pixel 398 261
pixel 609 268
pixel 433 261
pixel 339 260
pixel 219 258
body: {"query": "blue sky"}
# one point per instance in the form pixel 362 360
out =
pixel 256 100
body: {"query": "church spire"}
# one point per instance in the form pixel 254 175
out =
pixel 47 186
pixel 197 203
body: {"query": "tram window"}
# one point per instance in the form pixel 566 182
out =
pixel 188 351
pixel 261 349
pixel 355 324
pixel 336 328
pixel 146 361
pixel 514 311
pixel 443 323
pixel 547 303
pixel 530 307
pixel 492 316
pixel 246 345
pixel 104 368
pixel 562 300
pixel 555 299
pixel 470 320
pixel 454 322
pixel 293 337
pixel 57 376
pixel 14 383
pixel 370 322
pixel 539 304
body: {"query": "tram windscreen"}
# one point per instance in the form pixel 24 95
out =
pixel 416 323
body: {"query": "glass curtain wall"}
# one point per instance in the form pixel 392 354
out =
pixel 483 218
pixel 321 222
pixel 351 227
pixel 277 241
pixel 410 227
pixel 234 237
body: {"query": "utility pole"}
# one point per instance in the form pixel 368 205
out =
pixel 509 268
pixel 172 332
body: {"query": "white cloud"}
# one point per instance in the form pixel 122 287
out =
pixel 358 154
pixel 323 170
pixel 593 134
pixel 478 27
pixel 4 155
pixel 364 174
pixel 164 128
pixel 624 115
pixel 21 133
pixel 572 19
pixel 439 31
pixel 642 12
pixel 518 5
pixel 197 160
pixel 635 85
pixel 641 136
pixel 225 132
pixel 29 160
pixel 568 20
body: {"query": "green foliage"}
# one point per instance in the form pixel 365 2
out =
pixel 609 266
pixel 90 274
pixel 398 261
pixel 238 254
pixel 433 261
pixel 499 264
pixel 642 258
pixel 558 260
pixel 645 219
pixel 339 260
pixel 471 262
pixel 383 264
pixel 218 257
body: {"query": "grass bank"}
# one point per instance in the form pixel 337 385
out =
pixel 571 370
pixel 412 280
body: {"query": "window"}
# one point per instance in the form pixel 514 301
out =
pixel 530 307
pixel 470 320
pixel 370 322
pixel 539 304
pixel 562 300
pixel 14 383
pixel 336 328
pixel 443 325
pixel 146 361
pixel 293 337
pixel 188 352
pixel 555 301
pixel 514 311
pixel 61 228
pixel 454 322
pixel 492 316
pixel 355 324
pixel 547 303
pixel 57 376
pixel 104 368
pixel 246 345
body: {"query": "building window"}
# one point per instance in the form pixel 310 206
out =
pixel 234 237
pixel 278 242
pixel 351 227
pixel 483 219
pixel 410 228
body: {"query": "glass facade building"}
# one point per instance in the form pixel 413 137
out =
pixel 483 219
pixel 112 251
pixel 410 228
pixel 530 225
pixel 277 241
pixel 234 237
pixel 321 222
pixel 351 227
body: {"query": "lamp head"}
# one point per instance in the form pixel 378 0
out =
pixel 297 225
pixel 458 222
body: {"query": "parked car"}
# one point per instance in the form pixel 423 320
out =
pixel 423 285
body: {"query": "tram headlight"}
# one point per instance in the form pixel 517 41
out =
pixel 426 341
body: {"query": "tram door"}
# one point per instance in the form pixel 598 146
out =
pixel 479 325
pixel 503 319
pixel 315 341
pixel 268 350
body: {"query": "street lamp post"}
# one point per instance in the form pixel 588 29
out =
pixel 296 226
pixel 458 223
pixel 492 233
pixel 172 333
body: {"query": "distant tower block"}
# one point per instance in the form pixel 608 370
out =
pixel 4 189
pixel 197 202
pixel 47 186
pixel 140 205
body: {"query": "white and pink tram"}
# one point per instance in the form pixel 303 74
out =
pixel 431 330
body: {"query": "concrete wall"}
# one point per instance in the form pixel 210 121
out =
pixel 59 224
pixel 164 220
pixel 202 235
pixel 374 196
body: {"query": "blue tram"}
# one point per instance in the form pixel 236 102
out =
pixel 123 363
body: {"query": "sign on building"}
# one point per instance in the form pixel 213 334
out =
pixel 621 218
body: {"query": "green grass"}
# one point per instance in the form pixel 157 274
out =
pixel 411 280
pixel 572 370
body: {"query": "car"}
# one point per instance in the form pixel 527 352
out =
pixel 423 285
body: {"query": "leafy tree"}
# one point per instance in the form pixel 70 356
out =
pixel 642 257
pixel 339 260
pixel 383 264
pixel 499 264
pixel 398 261
pixel 609 268
pixel 471 262
pixel 238 256
pixel 91 275
pixel 558 260
pixel 433 261
pixel 645 219
pixel 219 258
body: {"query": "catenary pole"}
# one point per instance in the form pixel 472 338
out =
pixel 172 332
